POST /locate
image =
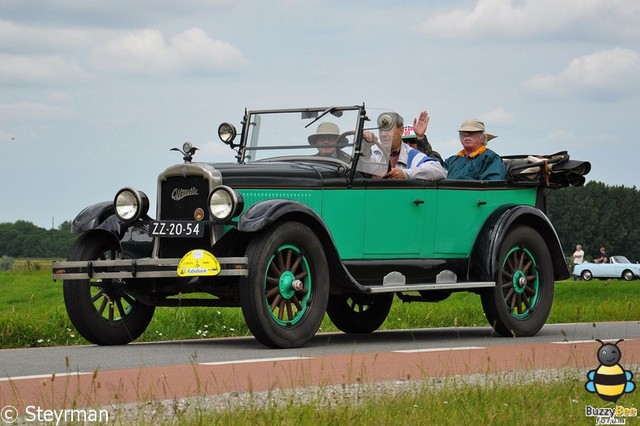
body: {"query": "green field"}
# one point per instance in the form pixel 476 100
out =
pixel 32 311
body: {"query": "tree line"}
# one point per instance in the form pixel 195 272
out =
pixel 23 239
pixel 595 215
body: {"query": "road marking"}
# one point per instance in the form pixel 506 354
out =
pixel 570 342
pixel 463 348
pixel 248 361
pixel 40 376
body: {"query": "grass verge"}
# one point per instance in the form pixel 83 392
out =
pixel 532 398
pixel 32 312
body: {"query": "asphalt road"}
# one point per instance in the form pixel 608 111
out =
pixel 17 363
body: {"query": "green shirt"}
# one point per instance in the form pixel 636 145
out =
pixel 486 166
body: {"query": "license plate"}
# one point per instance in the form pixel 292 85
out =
pixel 171 229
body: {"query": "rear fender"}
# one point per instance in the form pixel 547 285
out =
pixel 485 252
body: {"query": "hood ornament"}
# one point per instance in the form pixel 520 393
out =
pixel 187 151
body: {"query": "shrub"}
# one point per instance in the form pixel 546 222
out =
pixel 6 263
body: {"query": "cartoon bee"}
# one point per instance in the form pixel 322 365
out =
pixel 610 381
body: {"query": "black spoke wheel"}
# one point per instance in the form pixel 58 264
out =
pixel 284 298
pixel 359 313
pixel 102 310
pixel 520 303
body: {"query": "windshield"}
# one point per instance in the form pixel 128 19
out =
pixel 321 134
pixel 310 134
pixel 619 259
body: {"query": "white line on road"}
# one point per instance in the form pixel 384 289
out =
pixel 248 361
pixel 463 348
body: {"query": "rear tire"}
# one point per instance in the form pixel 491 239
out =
pixel 103 311
pixel 359 313
pixel 284 298
pixel 520 303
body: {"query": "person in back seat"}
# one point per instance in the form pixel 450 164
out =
pixel 475 161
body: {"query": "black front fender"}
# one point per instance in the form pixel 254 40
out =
pixel 92 217
pixel 101 218
pixel 485 252
pixel 263 214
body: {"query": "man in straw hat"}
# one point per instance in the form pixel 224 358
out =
pixel 325 139
pixel 475 161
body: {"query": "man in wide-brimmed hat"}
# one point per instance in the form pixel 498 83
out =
pixel 325 139
pixel 474 161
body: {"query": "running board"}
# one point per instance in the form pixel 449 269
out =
pixel 395 282
pixel 431 286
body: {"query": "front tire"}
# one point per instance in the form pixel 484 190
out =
pixel 628 275
pixel 284 298
pixel 586 275
pixel 520 303
pixel 359 313
pixel 103 311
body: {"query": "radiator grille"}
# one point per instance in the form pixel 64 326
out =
pixel 179 199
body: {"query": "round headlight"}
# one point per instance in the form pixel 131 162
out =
pixel 130 204
pixel 225 203
pixel 227 133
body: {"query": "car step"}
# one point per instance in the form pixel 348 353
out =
pixel 446 280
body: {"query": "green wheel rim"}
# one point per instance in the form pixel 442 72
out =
pixel 520 282
pixel 287 285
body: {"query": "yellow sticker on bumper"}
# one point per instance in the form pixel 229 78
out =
pixel 198 263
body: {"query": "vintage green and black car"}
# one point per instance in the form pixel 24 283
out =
pixel 288 235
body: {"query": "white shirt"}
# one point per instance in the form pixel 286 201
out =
pixel 431 169
pixel 578 257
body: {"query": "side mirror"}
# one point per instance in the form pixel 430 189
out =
pixel 386 121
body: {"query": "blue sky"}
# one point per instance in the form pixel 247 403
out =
pixel 93 94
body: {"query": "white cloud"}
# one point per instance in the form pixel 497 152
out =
pixel 497 117
pixel 43 40
pixel 607 74
pixel 30 111
pixel 38 68
pixel 146 51
pixel 543 18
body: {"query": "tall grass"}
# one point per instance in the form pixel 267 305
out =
pixel 32 311
pixel 450 401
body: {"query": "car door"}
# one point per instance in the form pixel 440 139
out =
pixel 399 218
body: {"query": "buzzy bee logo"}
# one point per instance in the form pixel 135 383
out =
pixel 610 381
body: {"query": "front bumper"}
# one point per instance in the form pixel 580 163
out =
pixel 137 268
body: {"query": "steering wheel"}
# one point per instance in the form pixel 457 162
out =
pixel 377 143
pixel 344 135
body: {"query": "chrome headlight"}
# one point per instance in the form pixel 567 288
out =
pixel 130 204
pixel 227 133
pixel 225 203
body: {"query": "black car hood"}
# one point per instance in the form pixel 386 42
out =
pixel 283 174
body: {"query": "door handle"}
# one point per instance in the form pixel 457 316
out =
pixel 417 201
pixel 481 203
